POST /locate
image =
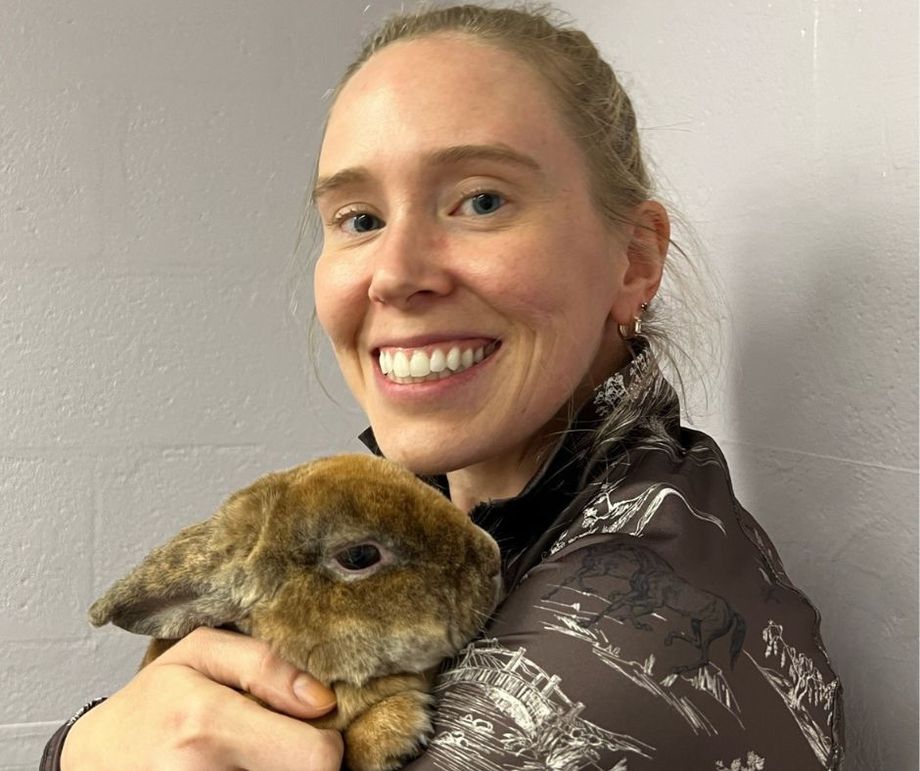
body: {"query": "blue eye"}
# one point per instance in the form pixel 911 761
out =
pixel 359 222
pixel 484 203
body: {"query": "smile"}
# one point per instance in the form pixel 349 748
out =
pixel 420 365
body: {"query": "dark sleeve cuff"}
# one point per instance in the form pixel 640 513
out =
pixel 51 757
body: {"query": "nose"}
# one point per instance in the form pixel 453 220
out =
pixel 409 263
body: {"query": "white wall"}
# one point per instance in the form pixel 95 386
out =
pixel 153 158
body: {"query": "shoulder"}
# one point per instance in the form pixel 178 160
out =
pixel 670 514
pixel 607 654
pixel 664 603
pixel 674 492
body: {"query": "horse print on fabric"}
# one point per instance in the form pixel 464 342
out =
pixel 638 583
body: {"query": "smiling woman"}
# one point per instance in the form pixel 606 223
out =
pixel 432 248
pixel 490 264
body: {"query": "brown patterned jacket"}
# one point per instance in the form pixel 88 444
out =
pixel 649 623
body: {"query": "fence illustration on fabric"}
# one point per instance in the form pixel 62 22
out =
pixel 496 702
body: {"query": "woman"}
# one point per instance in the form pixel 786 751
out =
pixel 491 256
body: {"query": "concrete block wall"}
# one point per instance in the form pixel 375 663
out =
pixel 153 160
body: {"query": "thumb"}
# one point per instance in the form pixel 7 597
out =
pixel 312 693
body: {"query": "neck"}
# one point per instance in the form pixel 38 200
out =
pixel 504 476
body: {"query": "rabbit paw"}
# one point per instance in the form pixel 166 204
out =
pixel 389 733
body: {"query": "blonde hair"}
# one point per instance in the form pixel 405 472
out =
pixel 596 109
pixel 599 114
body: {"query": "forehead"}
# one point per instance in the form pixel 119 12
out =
pixel 415 97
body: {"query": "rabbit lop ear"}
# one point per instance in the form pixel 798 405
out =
pixel 179 586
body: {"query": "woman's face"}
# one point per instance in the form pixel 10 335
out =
pixel 466 279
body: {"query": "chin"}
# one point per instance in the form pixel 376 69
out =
pixel 423 463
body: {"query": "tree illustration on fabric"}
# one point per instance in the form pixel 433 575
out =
pixel 805 680
pixel 753 762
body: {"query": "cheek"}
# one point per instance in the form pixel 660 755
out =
pixel 565 290
pixel 334 294
pixel 567 265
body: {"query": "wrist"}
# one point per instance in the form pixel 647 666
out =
pixel 65 760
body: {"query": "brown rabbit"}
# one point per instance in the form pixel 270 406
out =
pixel 352 569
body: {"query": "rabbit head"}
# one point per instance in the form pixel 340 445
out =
pixel 349 566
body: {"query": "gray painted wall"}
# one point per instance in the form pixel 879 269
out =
pixel 787 132
pixel 153 160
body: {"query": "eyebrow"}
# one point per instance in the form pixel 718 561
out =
pixel 444 157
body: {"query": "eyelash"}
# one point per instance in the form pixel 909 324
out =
pixel 483 191
pixel 340 217
pixel 343 216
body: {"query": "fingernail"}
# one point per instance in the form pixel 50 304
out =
pixel 311 692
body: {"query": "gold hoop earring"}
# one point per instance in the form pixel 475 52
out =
pixel 634 328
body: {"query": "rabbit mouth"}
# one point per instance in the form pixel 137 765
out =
pixel 420 365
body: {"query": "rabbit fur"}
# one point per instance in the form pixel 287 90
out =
pixel 278 562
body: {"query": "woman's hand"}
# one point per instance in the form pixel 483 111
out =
pixel 181 713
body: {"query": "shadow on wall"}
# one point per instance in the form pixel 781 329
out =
pixel 822 453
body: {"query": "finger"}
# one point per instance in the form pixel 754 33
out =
pixel 262 740
pixel 250 665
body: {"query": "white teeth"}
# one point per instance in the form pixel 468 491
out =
pixel 418 365
pixel 407 367
pixel 438 361
pixel 400 365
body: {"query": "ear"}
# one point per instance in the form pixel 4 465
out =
pixel 647 243
pixel 182 585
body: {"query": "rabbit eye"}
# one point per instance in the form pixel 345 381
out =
pixel 359 556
